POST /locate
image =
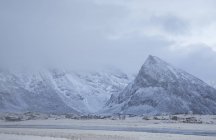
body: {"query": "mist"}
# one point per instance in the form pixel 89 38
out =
pixel 93 34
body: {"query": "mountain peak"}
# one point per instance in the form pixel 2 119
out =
pixel 151 60
pixel 151 57
pixel 160 88
pixel 157 69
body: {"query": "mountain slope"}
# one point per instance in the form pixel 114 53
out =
pixel 161 88
pixel 58 91
pixel 212 83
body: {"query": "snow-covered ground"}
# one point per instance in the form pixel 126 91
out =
pixel 48 134
pixel 150 128
pixel 26 137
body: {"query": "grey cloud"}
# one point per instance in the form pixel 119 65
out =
pixel 76 34
pixel 53 29
pixel 171 24
pixel 201 61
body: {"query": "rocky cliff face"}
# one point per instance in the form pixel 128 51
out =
pixel 161 88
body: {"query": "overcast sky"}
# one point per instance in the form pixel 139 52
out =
pixel 88 34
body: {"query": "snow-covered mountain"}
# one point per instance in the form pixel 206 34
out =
pixel 58 91
pixel 160 88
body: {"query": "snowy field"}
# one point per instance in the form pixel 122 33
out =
pixel 53 134
pixel 149 128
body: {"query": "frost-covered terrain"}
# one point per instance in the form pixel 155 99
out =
pixel 94 135
pixel 27 137
pixel 58 91
pixel 161 88
pixel 131 128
